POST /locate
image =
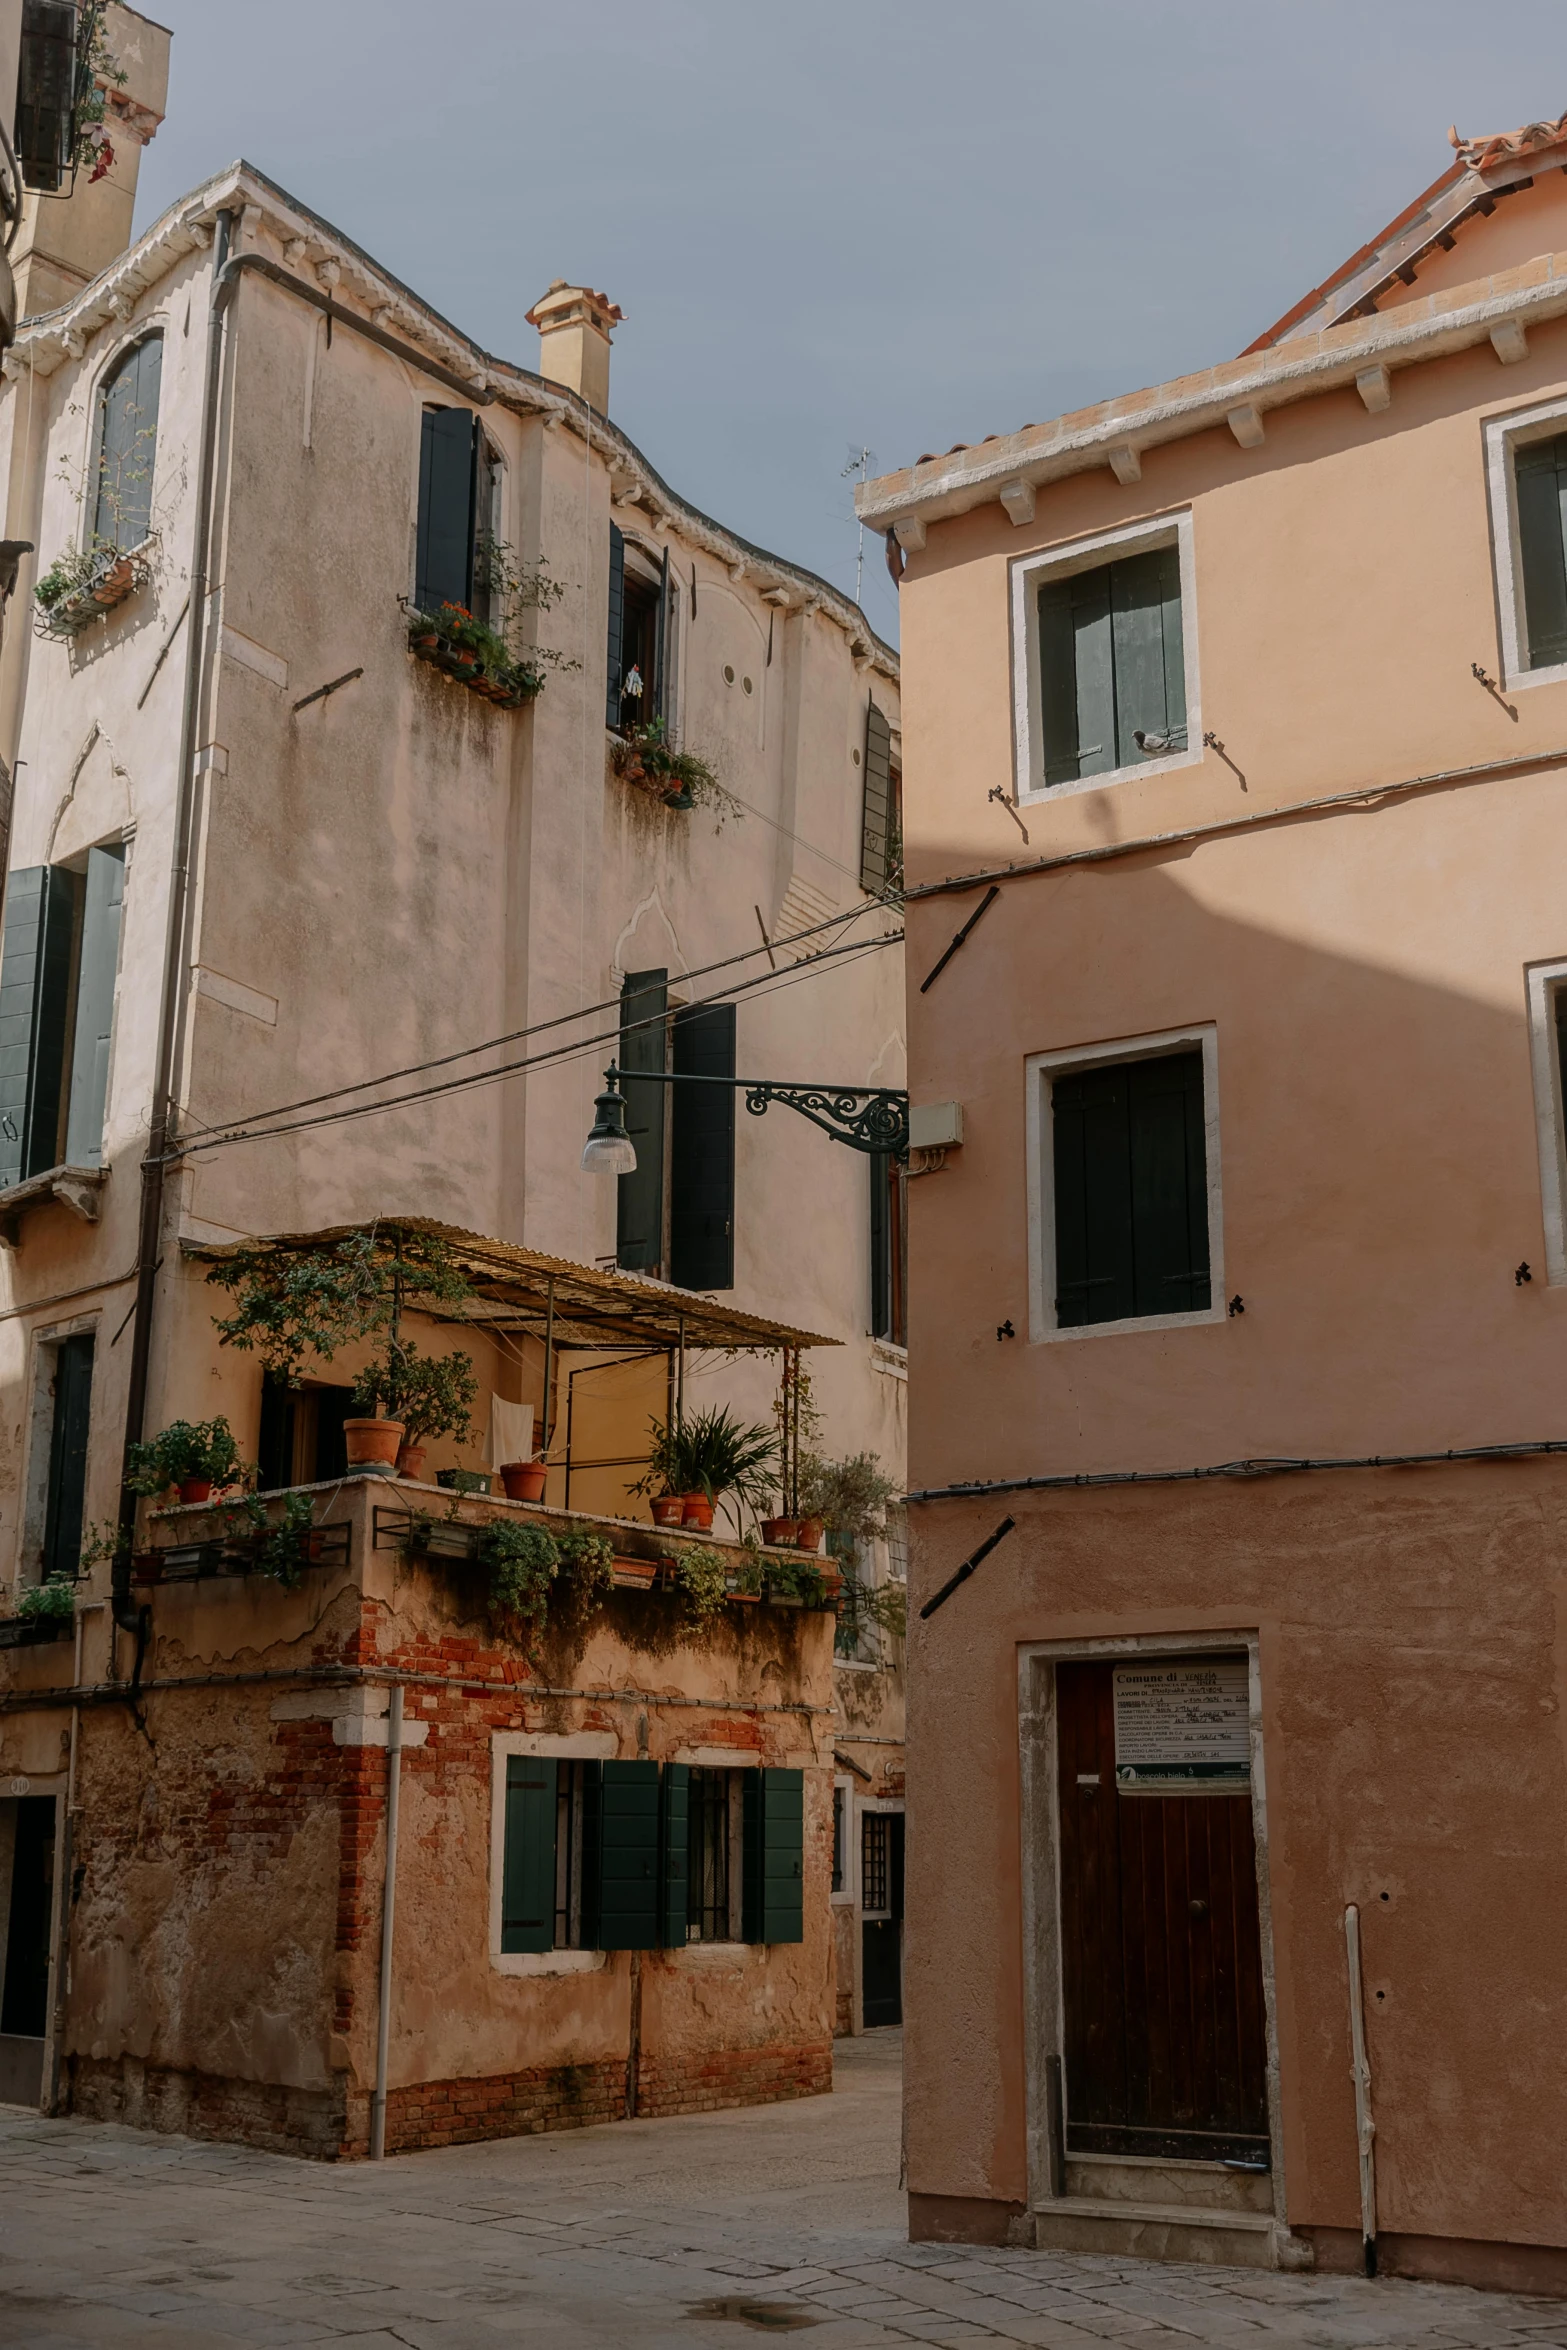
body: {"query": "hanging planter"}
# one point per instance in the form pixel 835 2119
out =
pixel 82 586
pixel 474 654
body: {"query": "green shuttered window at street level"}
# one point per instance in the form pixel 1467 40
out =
pixel 528 1875
pixel 1131 1190
pixel 1111 665
pixel 674 1856
pixel 644 1044
pixel 59 956
pixel 702 1151
pixel 629 1906
pixel 1540 470
pixel 773 1857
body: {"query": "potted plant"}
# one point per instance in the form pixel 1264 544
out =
pixel 522 1563
pixel 193 1455
pixel 848 1499
pixel 422 1395
pixel 707 1456
pixel 779 1533
pixel 485 654
pixel 669 1509
pixel 681 779
pixel 524 1480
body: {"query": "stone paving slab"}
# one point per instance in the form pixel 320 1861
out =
pixel 624 2234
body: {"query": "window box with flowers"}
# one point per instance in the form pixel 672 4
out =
pixel 475 654
pixel 87 582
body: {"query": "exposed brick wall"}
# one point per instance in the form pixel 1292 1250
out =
pixel 199 2105
pixel 507 2105
pixel 702 2083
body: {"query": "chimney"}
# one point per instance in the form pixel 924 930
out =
pixel 574 328
pixel 76 211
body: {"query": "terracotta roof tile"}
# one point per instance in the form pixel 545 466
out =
pixel 1504 146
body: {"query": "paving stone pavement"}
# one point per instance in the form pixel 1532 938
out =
pixel 672 2235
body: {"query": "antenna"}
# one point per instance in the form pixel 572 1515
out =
pixel 860 462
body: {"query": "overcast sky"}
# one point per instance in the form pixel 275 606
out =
pixel 834 223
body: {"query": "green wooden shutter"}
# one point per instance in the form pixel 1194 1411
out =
pixel 882 1180
pixel 773 1856
pixel 1169 1185
pixel 639 1198
pixel 96 970
pixel 702 1151
pixel 127 446
pixel 35 976
pixel 18 992
pixel 528 1874
pixel 876 815
pixel 46 99
pixel 1093 1196
pixel 615 651
pixel 629 1908
pixel 68 1455
pixel 674 1886
pixel 448 491
pixel 1058 681
pixel 1541 476
pixel 1150 671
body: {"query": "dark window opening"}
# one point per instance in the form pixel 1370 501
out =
pixel 1540 473
pixel 702 1150
pixel 127 446
pixel 644 1045
pixel 889 1249
pixel 46 95
pixel 58 965
pixel 643 618
pixel 840 1835
pixel 24 2008
pixel 708 1882
pixel 68 1432
pixel 459 511
pixel 1112 666
pixel 875 1863
pixel 1131 1190
pixel 301 1440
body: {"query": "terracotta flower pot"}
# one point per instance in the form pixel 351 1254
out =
pixel 698 1512
pixel 426 640
pixel 808 1533
pixel 668 1509
pixel 372 1444
pixel 750 1598
pixel 410 1461
pixel 195 1489
pixel 114 582
pixel 779 1532
pixel 524 1480
pixel 637 1574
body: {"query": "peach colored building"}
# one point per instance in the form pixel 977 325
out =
pixel 1236 714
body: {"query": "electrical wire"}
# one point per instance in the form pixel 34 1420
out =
pixel 539 1028
pixel 765 983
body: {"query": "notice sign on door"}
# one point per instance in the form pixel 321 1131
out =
pixel 1183 1727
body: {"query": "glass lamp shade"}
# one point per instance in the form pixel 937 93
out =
pixel 609 1149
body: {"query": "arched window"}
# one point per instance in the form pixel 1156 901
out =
pixel 127 446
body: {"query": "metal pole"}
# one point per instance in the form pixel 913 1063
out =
pixel 383 2022
pixel 549 1364
pixel 680 1376
pixel 1360 2070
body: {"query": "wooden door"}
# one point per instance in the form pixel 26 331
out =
pixel 1165 2050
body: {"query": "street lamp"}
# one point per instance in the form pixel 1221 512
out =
pixel 869 1118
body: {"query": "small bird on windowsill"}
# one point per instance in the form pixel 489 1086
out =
pixel 1155 742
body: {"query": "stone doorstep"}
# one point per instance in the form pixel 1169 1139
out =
pixel 1157 2231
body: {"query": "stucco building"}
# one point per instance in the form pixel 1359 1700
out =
pixel 1236 712
pixel 317 920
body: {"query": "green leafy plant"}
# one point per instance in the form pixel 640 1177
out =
pixel 102 1545
pixel 522 1563
pixel 96 67
pixel 712 1453
pixel 296 1302
pixel 849 1496
pixel 283 1550
pixel 185 1449
pixel 701 1577
pixel 53 1602
pixel 643 755
pixel 797 1579
pixel 587 1567
pixel 432 1395
pixel 506 668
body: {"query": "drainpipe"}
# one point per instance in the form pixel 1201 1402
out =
pixel 127 1615
pixel 1360 2070
pixel 383 2021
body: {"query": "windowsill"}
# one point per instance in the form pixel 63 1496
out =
pixel 76 1188
pixel 713 1953
pixel 547 1962
pixel 1132 1322
pixel 1036 795
pixel 889 1357
pixel 855 1664
pixel 1555 674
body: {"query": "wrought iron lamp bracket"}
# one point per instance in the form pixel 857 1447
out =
pixel 869 1118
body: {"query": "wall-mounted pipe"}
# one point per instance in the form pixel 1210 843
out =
pixel 383 2021
pixel 1360 2069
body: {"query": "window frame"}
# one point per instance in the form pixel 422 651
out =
pixel 1545 984
pixel 1032 572
pixel 1504 436
pixel 145 330
pixel 736 1762
pixel 1040 1072
pixel 570 1746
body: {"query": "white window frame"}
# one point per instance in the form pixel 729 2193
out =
pixel 1504 437
pixel 1029 574
pixel 1040 1071
pixel 1544 983
pixel 571 1746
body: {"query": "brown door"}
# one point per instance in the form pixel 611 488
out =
pixel 1161 1955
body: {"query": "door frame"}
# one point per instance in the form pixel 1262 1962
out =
pixel 1044 2016
pixel 858 1808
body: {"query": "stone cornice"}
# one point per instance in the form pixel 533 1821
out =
pixel 1364 355
pixel 272 223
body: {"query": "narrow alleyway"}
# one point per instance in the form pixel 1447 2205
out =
pixel 695 2232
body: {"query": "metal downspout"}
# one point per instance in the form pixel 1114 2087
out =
pixel 383 2020
pixel 127 1615
pixel 1360 2069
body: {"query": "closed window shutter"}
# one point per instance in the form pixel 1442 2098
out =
pixel 661 646
pixel 1058 682
pixel 99 963
pixel 669 653
pixel 1131 1194
pixel 19 955
pixel 674 1885
pixel 629 1907
pixel 615 648
pixel 1541 474
pixel 528 1873
pixel 876 820
pixel 68 1456
pixel 639 1205
pixel 127 446
pixel 448 490
pixel 881 1245
pixel 702 1151
pixel 1111 664
pixel 1145 628
pixel 773 1856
